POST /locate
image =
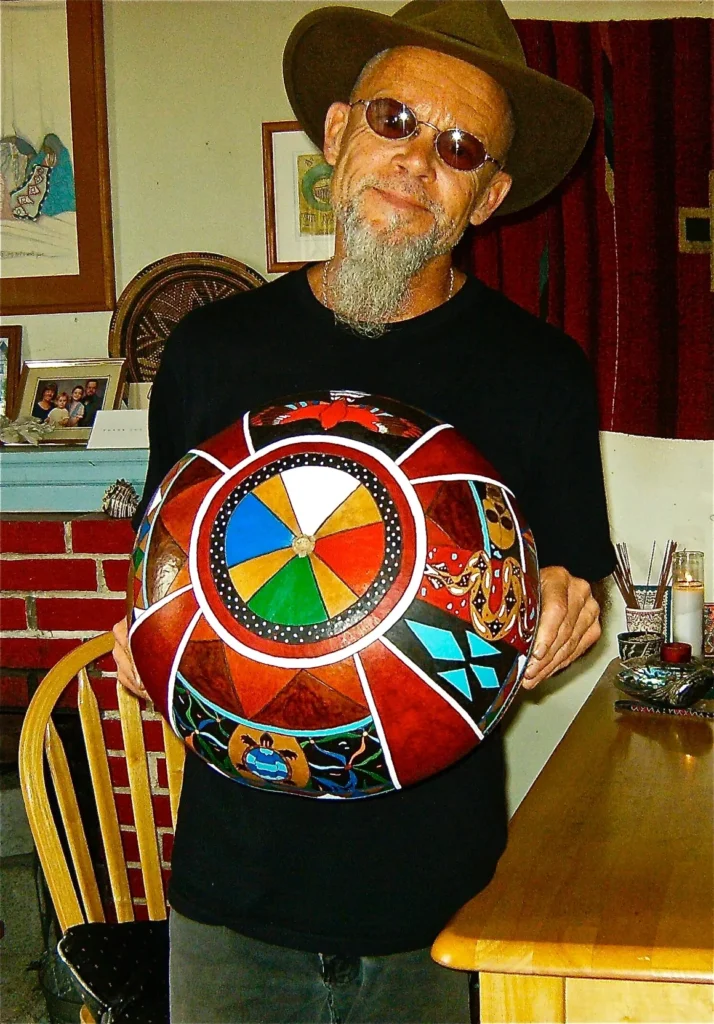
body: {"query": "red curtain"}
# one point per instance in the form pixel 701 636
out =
pixel 602 258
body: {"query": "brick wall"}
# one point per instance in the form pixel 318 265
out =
pixel 62 581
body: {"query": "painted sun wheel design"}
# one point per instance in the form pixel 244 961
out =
pixel 335 597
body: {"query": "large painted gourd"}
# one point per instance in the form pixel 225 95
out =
pixel 334 597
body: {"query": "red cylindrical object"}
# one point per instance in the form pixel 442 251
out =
pixel 676 652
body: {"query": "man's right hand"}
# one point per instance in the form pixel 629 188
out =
pixel 126 670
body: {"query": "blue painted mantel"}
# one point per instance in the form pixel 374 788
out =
pixel 65 478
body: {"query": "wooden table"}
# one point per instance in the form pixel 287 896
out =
pixel 602 907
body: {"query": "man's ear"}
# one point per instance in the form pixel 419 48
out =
pixel 335 124
pixel 491 198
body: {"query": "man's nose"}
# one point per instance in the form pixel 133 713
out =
pixel 417 155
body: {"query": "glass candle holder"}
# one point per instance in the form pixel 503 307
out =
pixel 688 599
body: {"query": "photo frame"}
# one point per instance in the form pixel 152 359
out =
pixel 50 389
pixel 299 222
pixel 85 181
pixel 10 361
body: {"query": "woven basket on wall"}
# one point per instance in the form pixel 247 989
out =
pixel 162 294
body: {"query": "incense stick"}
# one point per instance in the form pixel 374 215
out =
pixel 665 572
pixel 649 571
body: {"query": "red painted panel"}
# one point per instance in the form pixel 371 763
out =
pixel 423 732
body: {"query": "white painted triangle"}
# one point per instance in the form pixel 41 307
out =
pixel 315 492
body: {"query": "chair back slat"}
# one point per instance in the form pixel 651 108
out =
pixel 175 755
pixel 73 826
pixel 106 808
pixel 130 714
pixel 32 778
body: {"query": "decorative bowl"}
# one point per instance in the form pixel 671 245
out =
pixel 675 685
pixel 334 597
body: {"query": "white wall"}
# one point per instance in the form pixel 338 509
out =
pixel 656 489
pixel 189 83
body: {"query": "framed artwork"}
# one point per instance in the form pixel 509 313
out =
pixel 10 350
pixel 55 212
pixel 68 393
pixel 299 222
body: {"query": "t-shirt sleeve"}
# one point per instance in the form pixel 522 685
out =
pixel 565 498
pixel 167 441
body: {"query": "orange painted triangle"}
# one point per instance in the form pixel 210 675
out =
pixel 354 555
pixel 204 630
pixel 342 677
pixel 256 684
pixel 178 513
pixel 306 703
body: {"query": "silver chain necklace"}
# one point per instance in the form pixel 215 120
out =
pixel 324 283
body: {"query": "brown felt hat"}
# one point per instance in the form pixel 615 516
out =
pixel 328 48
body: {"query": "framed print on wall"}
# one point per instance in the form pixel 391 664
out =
pixel 10 354
pixel 68 393
pixel 299 222
pixel 55 212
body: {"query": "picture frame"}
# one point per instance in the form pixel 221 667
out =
pixel 299 222
pixel 92 288
pixel 64 377
pixel 10 361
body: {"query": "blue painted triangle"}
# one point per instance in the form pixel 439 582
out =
pixel 486 676
pixel 440 643
pixel 252 531
pixel 480 648
pixel 458 679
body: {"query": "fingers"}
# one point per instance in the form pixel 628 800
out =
pixel 571 650
pixel 569 624
pixel 126 670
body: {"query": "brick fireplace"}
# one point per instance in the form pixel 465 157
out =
pixel 63 580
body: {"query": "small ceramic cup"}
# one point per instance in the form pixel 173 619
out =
pixel 645 620
pixel 639 644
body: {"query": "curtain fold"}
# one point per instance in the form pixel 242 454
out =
pixel 603 258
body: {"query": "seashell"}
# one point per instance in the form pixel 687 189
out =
pixel 120 500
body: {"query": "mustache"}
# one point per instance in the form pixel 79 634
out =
pixel 402 187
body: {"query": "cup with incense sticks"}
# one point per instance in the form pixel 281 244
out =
pixel 645 620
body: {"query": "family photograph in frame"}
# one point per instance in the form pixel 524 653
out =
pixel 68 394
pixel 299 220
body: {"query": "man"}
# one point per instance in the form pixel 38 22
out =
pixel 92 403
pixel 306 910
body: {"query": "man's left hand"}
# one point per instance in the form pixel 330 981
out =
pixel 569 624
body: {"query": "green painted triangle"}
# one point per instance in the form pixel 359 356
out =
pixel 138 557
pixel 290 597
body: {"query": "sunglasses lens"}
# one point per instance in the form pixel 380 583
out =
pixel 460 150
pixel 390 119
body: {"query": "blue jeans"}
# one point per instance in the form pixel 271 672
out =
pixel 220 977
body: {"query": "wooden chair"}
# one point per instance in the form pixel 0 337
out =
pixel 75 891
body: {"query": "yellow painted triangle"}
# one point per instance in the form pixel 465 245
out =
pixel 336 595
pixel 250 576
pixel 359 509
pixel 273 494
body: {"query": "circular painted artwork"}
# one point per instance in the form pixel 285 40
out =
pixel 335 597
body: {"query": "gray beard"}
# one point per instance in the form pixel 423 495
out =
pixel 372 280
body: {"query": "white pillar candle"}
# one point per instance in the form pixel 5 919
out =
pixel 688 614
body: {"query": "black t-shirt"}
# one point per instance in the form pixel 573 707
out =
pixel 381 874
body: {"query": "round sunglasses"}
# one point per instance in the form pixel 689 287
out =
pixel 393 120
